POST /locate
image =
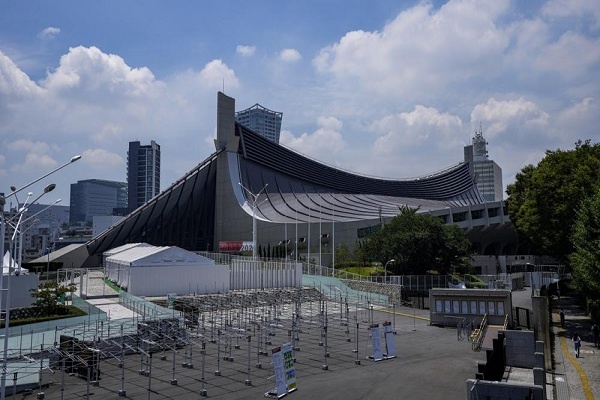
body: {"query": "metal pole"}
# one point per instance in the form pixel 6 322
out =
pixel 122 392
pixel 248 381
pixel 203 391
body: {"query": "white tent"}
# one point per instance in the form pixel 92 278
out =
pixel 157 271
pixel 111 270
pixel 6 264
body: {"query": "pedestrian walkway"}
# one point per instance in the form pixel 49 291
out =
pixel 575 378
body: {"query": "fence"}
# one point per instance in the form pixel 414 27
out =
pixel 146 309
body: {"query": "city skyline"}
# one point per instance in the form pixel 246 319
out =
pixel 388 89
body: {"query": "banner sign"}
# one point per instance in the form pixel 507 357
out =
pixel 288 366
pixel 389 339
pixel 376 342
pixel 280 379
pixel 235 246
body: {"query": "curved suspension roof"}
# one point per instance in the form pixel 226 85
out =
pixel 293 187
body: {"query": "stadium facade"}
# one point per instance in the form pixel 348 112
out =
pixel 307 205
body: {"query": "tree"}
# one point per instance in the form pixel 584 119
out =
pixel 585 259
pixel 542 200
pixel 419 243
pixel 49 298
pixel 342 254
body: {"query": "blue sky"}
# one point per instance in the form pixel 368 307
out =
pixel 384 88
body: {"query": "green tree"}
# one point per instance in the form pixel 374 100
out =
pixel 542 200
pixel 419 243
pixel 50 298
pixel 342 254
pixel 585 260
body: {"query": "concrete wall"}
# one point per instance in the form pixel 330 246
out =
pixel 20 286
pixel 541 325
pixel 477 390
pixel 520 348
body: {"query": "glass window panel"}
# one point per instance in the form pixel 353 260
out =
pixel 473 306
pixel 465 306
pixel 447 309
pixel 491 307
pixel 482 307
pixel 455 306
pixel 500 306
pixel 438 306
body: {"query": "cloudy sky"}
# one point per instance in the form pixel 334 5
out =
pixel 385 88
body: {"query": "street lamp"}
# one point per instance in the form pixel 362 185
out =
pixel 254 205
pixel 385 269
pixel 21 232
pixel 3 223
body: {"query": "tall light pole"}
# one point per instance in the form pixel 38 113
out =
pixel 2 237
pixel 254 205
pixel 385 270
pixel 26 220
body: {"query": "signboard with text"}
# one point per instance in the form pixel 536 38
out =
pixel 288 366
pixel 235 246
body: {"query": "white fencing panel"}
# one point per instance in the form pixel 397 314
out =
pixel 257 274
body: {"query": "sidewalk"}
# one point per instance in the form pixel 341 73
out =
pixel 575 378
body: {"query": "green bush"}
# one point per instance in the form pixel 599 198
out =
pixel 72 311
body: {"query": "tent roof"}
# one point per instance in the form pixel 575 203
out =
pixel 155 255
pixel 125 247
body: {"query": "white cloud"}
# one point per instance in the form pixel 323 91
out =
pixel 497 116
pixel 92 71
pixel 580 9
pixel 572 55
pixel 413 129
pixel 420 50
pixel 101 160
pixel 320 144
pixel 14 83
pixel 245 51
pixel 216 74
pixel 290 55
pixel 49 33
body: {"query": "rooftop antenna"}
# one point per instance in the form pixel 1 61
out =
pixel 223 85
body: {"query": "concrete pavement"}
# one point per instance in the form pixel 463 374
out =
pixel 576 378
pixel 431 363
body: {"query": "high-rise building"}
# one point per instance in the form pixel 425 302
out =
pixel 94 197
pixel 261 120
pixel 488 175
pixel 143 173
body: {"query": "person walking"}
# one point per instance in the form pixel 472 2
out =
pixel 577 342
pixel 596 333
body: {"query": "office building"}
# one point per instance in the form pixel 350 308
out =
pixel 93 197
pixel 143 173
pixel 261 120
pixel 487 174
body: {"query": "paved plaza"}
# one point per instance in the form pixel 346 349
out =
pixel 431 363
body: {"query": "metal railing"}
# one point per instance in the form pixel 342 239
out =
pixel 478 334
